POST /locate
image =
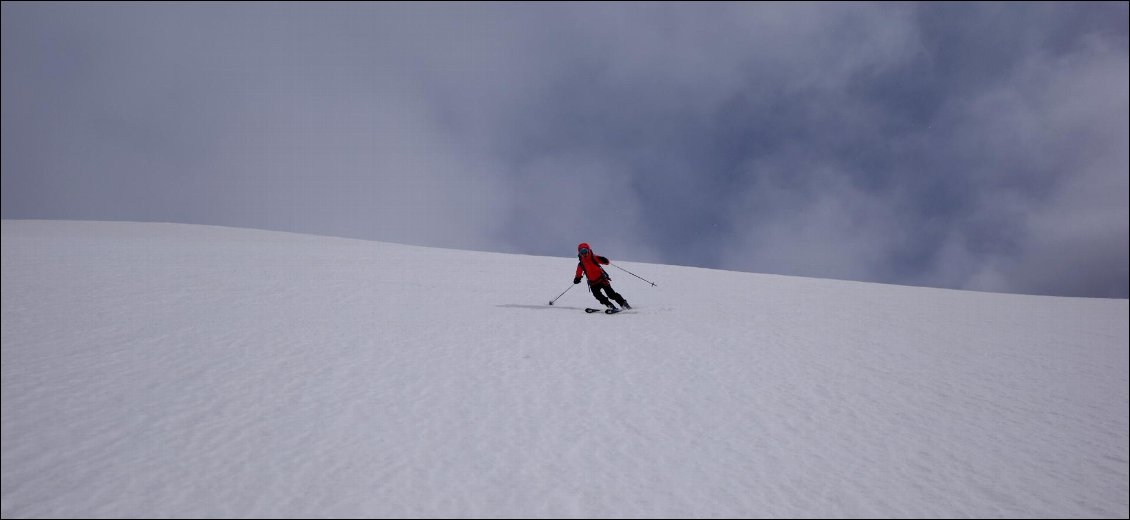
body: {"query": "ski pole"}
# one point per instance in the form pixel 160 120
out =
pixel 560 295
pixel 633 274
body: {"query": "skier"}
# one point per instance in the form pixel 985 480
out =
pixel 589 264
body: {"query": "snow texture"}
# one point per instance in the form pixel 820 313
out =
pixel 162 370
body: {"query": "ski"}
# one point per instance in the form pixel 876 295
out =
pixel 591 310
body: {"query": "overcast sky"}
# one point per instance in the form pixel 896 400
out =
pixel 965 145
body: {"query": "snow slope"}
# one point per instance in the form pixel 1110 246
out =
pixel 160 370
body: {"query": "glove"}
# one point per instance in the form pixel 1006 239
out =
pixel 577 280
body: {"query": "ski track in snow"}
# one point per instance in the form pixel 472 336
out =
pixel 171 370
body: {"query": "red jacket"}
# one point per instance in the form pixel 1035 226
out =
pixel 589 264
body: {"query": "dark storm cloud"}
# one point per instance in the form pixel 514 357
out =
pixel 978 146
pixel 985 159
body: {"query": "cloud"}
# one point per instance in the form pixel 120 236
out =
pixel 1053 135
pixel 302 119
pixel 1013 180
pixel 815 224
pixel 975 146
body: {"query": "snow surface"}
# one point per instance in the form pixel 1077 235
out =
pixel 161 370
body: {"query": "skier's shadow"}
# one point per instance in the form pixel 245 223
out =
pixel 538 307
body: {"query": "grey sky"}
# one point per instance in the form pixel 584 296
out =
pixel 965 145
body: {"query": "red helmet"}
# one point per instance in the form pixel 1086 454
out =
pixel 582 245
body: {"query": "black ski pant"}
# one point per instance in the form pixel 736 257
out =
pixel 607 288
